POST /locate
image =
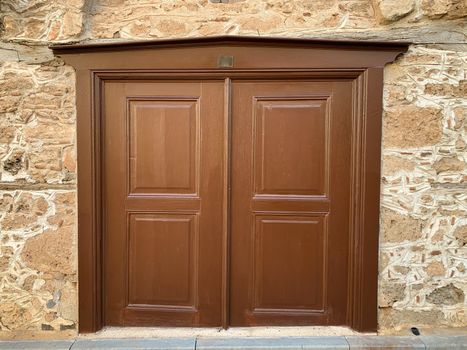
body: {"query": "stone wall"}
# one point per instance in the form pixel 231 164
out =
pixel 423 259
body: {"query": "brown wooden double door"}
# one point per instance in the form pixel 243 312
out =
pixel 226 202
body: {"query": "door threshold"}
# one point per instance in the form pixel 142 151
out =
pixel 183 332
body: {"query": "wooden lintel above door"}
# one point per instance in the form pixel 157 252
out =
pixel 247 53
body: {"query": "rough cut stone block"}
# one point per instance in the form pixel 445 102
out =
pixel 36 345
pixel 392 10
pixel 289 343
pixel 8 55
pixel 136 344
pixel 378 342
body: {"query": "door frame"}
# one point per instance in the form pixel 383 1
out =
pixel 360 62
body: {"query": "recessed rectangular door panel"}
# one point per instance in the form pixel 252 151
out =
pixel 283 248
pixel 163 194
pixel 290 137
pixel 164 146
pixel 291 148
pixel 156 242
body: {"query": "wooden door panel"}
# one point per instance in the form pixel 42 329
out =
pixel 290 202
pixel 283 246
pixel 156 242
pixel 164 146
pixel 290 145
pixel 162 189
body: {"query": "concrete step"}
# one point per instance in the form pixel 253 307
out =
pixel 248 343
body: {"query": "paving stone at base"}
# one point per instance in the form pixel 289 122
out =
pixel 36 345
pixel 378 342
pixel 289 343
pixel 135 344
pixel 433 342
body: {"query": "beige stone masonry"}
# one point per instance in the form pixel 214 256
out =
pixel 423 238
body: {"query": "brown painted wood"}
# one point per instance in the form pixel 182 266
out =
pixel 89 207
pixel 226 206
pixel 225 39
pixel 305 66
pixel 248 52
pixel 163 182
pixel 366 155
pixel 292 153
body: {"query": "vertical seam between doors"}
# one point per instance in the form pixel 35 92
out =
pixel 226 207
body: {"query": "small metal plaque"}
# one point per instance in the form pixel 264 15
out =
pixel 225 62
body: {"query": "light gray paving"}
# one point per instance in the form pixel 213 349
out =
pixel 135 344
pixel 433 342
pixel 286 343
pixel 315 343
pixel 36 345
pixel 254 343
pixel 379 342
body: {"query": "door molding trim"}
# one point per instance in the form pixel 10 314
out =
pixel 366 153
